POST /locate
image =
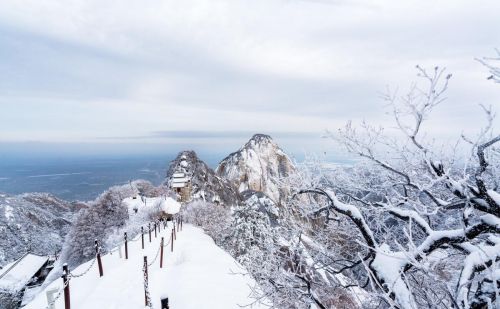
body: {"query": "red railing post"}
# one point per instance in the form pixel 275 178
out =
pixel 172 241
pixel 161 253
pixel 126 246
pixel 142 237
pixel 98 256
pixel 65 276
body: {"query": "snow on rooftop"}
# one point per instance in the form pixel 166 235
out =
pixel 178 175
pixel 198 274
pixel 178 180
pixel 16 275
pixel 178 185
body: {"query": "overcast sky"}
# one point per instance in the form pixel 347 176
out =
pixel 190 73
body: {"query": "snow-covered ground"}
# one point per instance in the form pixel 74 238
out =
pixel 198 274
pixel 140 204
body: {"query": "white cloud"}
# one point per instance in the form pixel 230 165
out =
pixel 232 65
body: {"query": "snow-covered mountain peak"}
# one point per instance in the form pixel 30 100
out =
pixel 258 165
pixel 259 140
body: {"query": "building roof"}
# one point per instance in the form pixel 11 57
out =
pixel 16 275
pixel 178 184
pixel 177 180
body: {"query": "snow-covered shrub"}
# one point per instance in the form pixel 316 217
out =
pixel 96 222
pixel 214 219
pixel 10 299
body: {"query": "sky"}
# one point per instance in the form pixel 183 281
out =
pixel 132 76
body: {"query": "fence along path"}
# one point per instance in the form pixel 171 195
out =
pixel 122 276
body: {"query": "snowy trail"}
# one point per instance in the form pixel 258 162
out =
pixel 198 274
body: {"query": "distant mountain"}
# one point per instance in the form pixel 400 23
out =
pixel 36 222
pixel 258 165
pixel 205 183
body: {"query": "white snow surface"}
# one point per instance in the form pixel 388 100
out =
pixel 167 204
pixel 16 275
pixel 9 213
pixel 388 265
pixel 198 274
pixel 494 196
pixel 170 206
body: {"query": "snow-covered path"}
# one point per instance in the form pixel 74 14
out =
pixel 198 274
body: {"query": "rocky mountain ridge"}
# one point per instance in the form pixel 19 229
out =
pixel 205 183
pixel 259 165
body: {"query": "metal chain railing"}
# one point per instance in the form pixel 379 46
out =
pixel 85 272
pixel 169 240
pixel 59 293
pixel 146 286
pixel 156 256
pixel 136 239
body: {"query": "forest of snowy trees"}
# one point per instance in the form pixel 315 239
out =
pixel 413 224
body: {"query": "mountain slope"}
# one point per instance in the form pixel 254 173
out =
pixel 258 165
pixel 32 221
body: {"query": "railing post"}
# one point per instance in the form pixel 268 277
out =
pixel 161 253
pixel 142 237
pixel 155 229
pixel 172 241
pixel 164 303
pixel 145 269
pixel 65 276
pixel 126 246
pixel 149 229
pixel 182 221
pixel 175 234
pixel 98 256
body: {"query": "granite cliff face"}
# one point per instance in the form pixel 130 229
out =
pixel 205 183
pixel 259 165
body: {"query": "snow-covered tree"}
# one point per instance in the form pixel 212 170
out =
pixel 426 218
pixel 214 219
pixel 493 65
pixel 95 222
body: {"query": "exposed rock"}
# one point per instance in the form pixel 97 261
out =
pixel 205 184
pixel 259 165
